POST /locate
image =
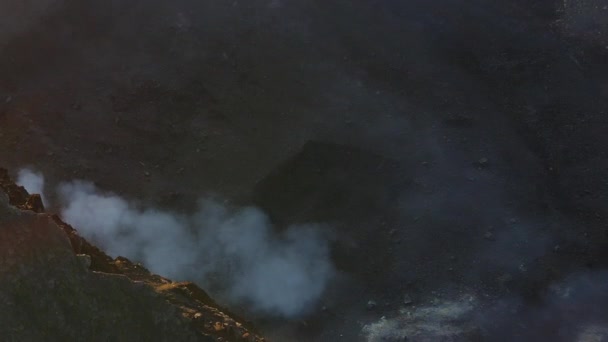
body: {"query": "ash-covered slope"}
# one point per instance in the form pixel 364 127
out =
pixel 55 286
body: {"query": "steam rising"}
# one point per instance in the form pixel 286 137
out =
pixel 235 250
pixel 33 182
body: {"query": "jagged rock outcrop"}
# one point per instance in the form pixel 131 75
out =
pixel 56 286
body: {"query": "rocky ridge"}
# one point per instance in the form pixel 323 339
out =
pixel 55 285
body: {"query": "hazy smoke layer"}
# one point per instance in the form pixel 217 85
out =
pixel 235 250
pixel 573 309
pixel 33 182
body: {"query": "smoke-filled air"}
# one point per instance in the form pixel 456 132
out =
pixel 235 251
pixel 32 181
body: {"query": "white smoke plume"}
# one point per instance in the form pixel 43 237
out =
pixel 33 182
pixel 236 250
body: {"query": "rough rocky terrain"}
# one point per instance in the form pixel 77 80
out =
pixel 456 151
pixel 58 287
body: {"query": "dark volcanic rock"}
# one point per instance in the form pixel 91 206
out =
pixel 17 195
pixel 47 295
pixel 351 189
pixel 326 181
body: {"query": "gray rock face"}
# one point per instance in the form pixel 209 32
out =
pixel 586 19
pixel 46 294
pixel 22 14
